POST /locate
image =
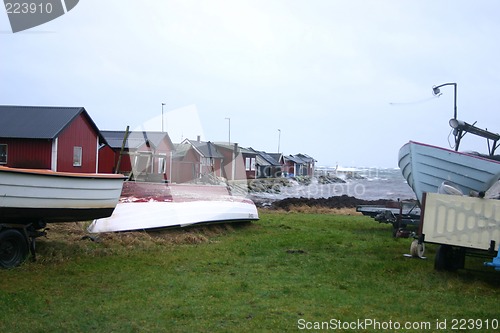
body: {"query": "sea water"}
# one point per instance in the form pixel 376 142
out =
pixel 370 184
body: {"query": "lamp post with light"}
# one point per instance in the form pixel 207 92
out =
pixel 229 119
pixel 279 139
pixel 436 92
pixel 162 104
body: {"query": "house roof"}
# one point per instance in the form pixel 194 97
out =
pixel 264 158
pixel 38 122
pixel 294 159
pixel 239 148
pixel 205 149
pixel 181 150
pixel 276 156
pixel 135 139
pixel 306 158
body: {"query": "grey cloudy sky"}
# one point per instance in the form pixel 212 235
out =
pixel 346 82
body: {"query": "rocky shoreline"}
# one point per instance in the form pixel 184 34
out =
pixel 275 186
pixel 336 202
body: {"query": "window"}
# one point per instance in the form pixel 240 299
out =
pixel 207 161
pixel 161 165
pixel 249 164
pixel 3 154
pixel 77 156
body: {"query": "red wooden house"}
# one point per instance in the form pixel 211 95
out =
pixel 55 138
pixel 147 155
pixel 239 163
pixel 194 160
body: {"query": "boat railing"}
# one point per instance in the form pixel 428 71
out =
pixel 461 128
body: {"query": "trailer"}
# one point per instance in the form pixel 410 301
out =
pixel 461 226
pixel 404 215
pixel 29 199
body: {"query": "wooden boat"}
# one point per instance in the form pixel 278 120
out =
pixel 427 167
pixel 31 195
pixel 155 205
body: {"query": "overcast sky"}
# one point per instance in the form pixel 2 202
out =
pixel 345 82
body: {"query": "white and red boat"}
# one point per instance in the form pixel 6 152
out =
pixel 32 195
pixel 31 198
pixel 146 205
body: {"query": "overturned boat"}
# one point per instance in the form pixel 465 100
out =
pixel 146 205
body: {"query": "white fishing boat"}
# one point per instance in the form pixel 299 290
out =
pixel 32 195
pixel 154 205
pixel 426 167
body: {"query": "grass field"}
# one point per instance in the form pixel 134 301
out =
pixel 287 272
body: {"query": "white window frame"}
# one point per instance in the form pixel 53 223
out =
pixel 77 156
pixel 249 164
pixel 162 163
pixel 4 157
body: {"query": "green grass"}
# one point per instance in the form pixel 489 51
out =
pixel 258 277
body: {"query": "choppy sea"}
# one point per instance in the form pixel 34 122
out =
pixel 373 184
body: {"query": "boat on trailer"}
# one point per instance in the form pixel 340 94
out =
pixel 426 167
pixel 145 205
pixel 31 198
pixel 452 189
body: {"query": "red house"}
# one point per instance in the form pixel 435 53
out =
pixel 194 160
pixel 55 138
pixel 146 155
pixel 239 163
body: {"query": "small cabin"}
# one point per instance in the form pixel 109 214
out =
pixel 62 139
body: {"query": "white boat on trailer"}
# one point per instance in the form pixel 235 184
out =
pixel 31 198
pixel 426 167
pixel 159 205
pixel 31 195
pixel 458 222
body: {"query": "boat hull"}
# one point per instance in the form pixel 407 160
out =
pixel 153 215
pixel 426 167
pixel 28 196
pixel 153 205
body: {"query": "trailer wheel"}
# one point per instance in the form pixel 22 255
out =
pixel 443 260
pixel 13 248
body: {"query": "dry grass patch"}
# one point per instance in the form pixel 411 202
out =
pixel 305 209
pixel 67 241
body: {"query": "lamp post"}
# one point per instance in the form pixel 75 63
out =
pixel 279 139
pixel 162 104
pixel 436 92
pixel 229 129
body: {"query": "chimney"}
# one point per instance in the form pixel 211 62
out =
pixel 198 138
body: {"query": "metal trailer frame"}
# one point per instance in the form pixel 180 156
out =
pixel 400 214
pixel 17 241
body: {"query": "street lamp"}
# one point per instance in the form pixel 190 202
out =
pixel 162 104
pixel 229 129
pixel 279 139
pixel 436 92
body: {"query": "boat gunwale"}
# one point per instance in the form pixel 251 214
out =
pixel 452 151
pixel 49 173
